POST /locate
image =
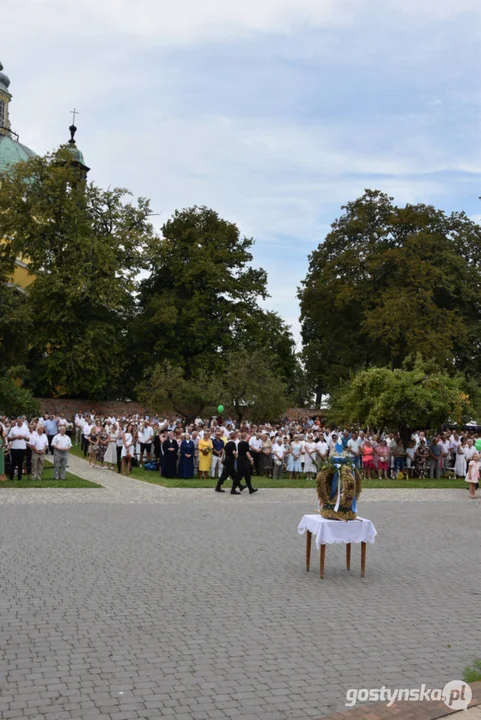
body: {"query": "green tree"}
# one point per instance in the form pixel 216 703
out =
pixel 16 400
pixel 265 330
pixel 389 282
pixel 85 246
pixel 250 386
pixel 15 318
pixel 201 291
pixel 300 390
pixel 418 395
pixel 167 390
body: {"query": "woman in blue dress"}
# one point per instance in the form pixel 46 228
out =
pixel 294 466
pixel 186 462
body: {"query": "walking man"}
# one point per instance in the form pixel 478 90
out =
pixel 61 444
pixel 245 463
pixel 229 469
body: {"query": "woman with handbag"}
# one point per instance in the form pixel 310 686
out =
pixel 278 455
pixel 205 448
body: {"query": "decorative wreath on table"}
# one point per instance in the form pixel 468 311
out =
pixel 339 486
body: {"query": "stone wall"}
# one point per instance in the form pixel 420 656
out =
pixel 67 408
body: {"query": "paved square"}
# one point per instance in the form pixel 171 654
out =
pixel 141 602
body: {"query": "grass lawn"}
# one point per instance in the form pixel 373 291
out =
pixel 264 482
pixel 71 481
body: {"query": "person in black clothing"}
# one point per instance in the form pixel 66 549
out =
pixel 170 448
pixel 157 442
pixel 245 463
pixel 229 469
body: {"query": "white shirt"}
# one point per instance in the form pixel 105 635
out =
pixel 322 448
pixel 61 442
pixel 278 451
pixel 255 443
pixel 469 452
pixel 87 428
pixel 146 435
pixel 444 446
pixel 39 441
pixel 354 446
pixel 18 437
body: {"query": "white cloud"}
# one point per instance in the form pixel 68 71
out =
pixel 183 21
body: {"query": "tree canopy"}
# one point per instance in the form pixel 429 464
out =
pixel 200 293
pixel 167 390
pixel 85 247
pixel 418 395
pixel 389 282
pixel 249 385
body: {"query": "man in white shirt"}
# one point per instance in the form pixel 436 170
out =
pixel 322 450
pixel 445 452
pixel 79 423
pixel 39 445
pixel 354 450
pixel 61 444
pixel 146 434
pixel 255 447
pixel 454 443
pixel 87 427
pixel 278 455
pixel 17 437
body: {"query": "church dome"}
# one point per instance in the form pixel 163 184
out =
pixel 12 151
pixel 4 81
pixel 77 155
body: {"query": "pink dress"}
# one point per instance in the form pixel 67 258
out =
pixel 472 476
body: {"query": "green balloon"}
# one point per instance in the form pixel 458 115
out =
pixel 220 408
pixel 477 444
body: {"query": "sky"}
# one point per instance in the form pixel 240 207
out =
pixel 273 112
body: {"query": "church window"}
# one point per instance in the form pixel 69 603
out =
pixel 2 113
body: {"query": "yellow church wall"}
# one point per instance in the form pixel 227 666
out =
pixel 21 276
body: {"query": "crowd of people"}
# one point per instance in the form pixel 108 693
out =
pixel 222 448
pixel 24 446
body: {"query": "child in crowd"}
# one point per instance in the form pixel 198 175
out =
pixel 472 476
pixel 410 452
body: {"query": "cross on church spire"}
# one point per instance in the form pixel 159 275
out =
pixel 74 113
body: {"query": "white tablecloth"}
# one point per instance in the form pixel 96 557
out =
pixel 328 532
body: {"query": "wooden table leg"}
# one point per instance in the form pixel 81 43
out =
pixel 308 549
pixel 348 556
pixel 363 558
pixel 323 558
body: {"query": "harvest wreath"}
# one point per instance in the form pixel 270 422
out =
pixel 338 487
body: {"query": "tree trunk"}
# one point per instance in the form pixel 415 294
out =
pixel 405 432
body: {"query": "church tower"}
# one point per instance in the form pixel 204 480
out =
pixel 5 98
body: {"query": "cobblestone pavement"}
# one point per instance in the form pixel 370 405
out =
pixel 134 601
